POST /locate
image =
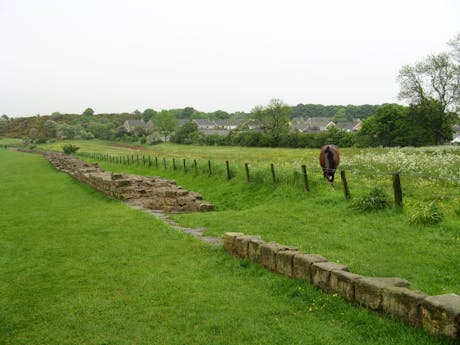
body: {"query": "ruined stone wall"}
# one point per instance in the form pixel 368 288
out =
pixel 151 192
pixel 438 314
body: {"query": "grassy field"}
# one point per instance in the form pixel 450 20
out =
pixel 79 268
pixel 372 243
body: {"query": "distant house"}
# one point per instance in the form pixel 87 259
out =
pixel 204 124
pixel 215 131
pixel 298 124
pixel 349 126
pixel 130 125
pixel 456 140
pixel 228 125
pixel 149 126
pixel 220 127
pixel 318 124
pixel 321 124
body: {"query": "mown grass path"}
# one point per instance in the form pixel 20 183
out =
pixel 79 268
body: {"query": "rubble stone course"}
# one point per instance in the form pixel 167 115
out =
pixel 437 314
pixel 152 192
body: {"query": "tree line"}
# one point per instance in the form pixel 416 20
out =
pixel 431 87
pixel 89 125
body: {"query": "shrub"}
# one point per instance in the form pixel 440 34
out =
pixel 427 215
pixel 40 140
pixel 375 200
pixel 69 149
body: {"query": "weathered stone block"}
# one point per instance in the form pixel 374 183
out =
pixel 321 273
pixel 302 264
pixel 268 253
pixel 204 206
pixel 284 262
pixel 368 291
pixel 441 315
pixel 122 183
pixel 182 192
pixel 254 250
pixel 241 245
pixel 403 303
pixel 195 195
pixel 229 240
pixel 343 282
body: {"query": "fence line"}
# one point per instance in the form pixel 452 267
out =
pixel 300 177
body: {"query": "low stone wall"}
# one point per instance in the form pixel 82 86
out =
pixel 154 193
pixel 438 314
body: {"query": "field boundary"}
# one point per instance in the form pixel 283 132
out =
pixel 438 314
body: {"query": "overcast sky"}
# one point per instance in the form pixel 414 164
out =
pixel 115 56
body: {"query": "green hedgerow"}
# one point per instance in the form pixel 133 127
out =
pixel 429 214
pixel 375 200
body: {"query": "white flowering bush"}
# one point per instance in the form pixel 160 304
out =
pixel 435 163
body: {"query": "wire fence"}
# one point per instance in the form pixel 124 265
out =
pixel 350 179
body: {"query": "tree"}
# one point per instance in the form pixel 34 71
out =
pixel 340 115
pixel 88 112
pixel 139 131
pixel 455 45
pixel 433 88
pixel 165 123
pixel 50 127
pixel 220 114
pixel 148 114
pixel 428 124
pixel 65 131
pixel 3 124
pixel 435 77
pixel 384 128
pixel 187 113
pixel 273 119
pixel 185 133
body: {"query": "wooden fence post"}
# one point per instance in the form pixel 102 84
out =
pixel 229 175
pixel 246 166
pixel 156 162
pixel 305 178
pixel 164 161
pixel 174 164
pixel 137 159
pixel 185 166
pixel 150 162
pixel 397 190
pixel 196 166
pixel 346 190
pixel 272 166
pixel 209 168
pixel 143 160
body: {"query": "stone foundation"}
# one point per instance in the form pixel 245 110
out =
pixel 154 193
pixel 438 314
